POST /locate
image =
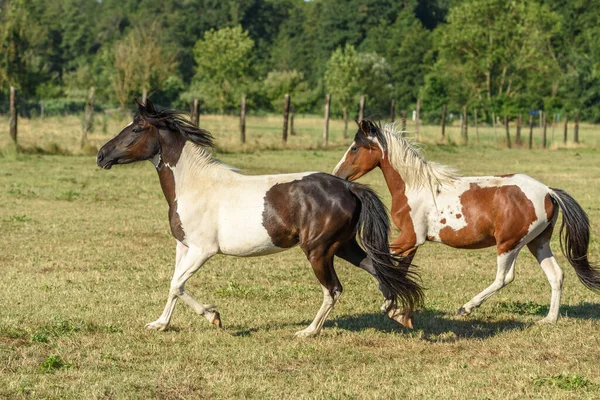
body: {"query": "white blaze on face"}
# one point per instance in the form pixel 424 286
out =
pixel 337 167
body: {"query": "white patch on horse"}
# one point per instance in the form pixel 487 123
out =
pixel 222 207
pixel 337 167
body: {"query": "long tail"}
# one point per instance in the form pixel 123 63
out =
pixel 575 238
pixel 397 281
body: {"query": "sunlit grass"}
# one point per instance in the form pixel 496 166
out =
pixel 86 258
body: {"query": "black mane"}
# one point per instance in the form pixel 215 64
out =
pixel 174 121
pixel 368 130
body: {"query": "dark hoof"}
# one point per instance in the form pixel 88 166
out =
pixel 462 311
pixel 217 320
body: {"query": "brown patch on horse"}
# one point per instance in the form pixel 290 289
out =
pixel 400 211
pixel 549 207
pixel 504 176
pixel 494 216
pixel 430 238
pixel 458 216
pixel 167 183
pixel 443 221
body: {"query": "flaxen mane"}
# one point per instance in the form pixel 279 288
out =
pixel 406 158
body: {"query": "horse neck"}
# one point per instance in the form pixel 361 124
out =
pixel 395 183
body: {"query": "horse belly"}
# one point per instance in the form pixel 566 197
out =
pixel 241 230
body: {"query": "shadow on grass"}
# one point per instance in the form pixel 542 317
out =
pixel 434 325
pixel 581 311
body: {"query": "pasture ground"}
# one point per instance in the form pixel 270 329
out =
pixel 86 259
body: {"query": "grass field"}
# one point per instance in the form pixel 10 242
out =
pixel 86 258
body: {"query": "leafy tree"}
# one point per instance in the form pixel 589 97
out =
pixel 497 54
pixel 223 61
pixel 342 78
pixel 141 62
pixel 278 83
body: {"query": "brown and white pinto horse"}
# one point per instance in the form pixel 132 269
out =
pixel 430 202
pixel 213 209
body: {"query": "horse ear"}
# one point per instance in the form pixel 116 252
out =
pixel 150 106
pixel 364 126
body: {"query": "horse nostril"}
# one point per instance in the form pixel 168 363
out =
pixel 100 156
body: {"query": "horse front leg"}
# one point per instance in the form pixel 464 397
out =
pixel 188 261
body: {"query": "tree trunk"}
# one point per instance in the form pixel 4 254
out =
pixel 89 117
pixel 345 122
pixel 326 129
pixel 576 132
pixel 144 95
pixel 42 109
pixel 13 114
pixel 494 125
pixel 243 119
pixel 444 123
pixel 393 111
pixel 286 112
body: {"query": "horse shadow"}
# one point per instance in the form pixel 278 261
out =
pixel 437 326
pixel 431 325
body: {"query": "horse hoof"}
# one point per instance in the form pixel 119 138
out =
pixel 305 333
pixel 217 319
pixel 403 318
pixel 463 311
pixel 156 326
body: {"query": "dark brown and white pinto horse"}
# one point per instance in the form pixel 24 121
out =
pixel 213 209
pixel 430 202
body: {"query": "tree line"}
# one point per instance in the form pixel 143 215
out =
pixel 502 58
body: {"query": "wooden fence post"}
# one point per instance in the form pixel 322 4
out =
pixel 326 129
pixel 418 116
pixel 476 127
pixel 89 117
pixel 361 110
pixel 393 111
pixel 566 129
pixel 195 114
pixel 286 112
pixel 576 132
pixel 544 141
pixel 518 137
pixel 292 112
pixel 403 113
pixel 530 131
pixel 243 118
pixel 444 122
pixel 13 114
pixel 465 132
pixel 507 132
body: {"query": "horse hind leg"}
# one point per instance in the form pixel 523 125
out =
pixel 504 275
pixel 322 263
pixel 540 248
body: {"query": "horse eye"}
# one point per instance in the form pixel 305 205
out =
pixel 354 148
pixel 136 129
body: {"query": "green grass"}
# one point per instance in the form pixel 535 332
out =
pixel 86 258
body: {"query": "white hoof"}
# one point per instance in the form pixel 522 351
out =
pixel 157 326
pixel 306 333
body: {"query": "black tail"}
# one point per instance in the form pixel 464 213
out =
pixel 575 239
pixel 397 281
